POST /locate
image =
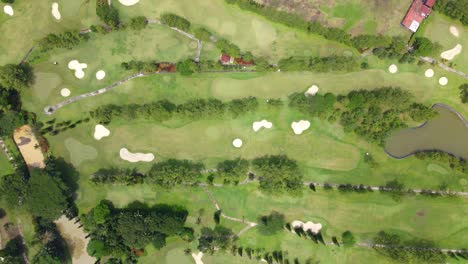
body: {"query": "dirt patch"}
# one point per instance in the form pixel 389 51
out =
pixel 420 213
pixel 76 240
pixel 29 146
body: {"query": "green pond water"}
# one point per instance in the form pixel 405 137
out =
pixel 446 132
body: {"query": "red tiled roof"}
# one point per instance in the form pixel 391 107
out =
pixel 240 61
pixel 416 14
pixel 225 58
pixel 430 3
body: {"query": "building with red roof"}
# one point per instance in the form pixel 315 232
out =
pixel 226 59
pixel 418 11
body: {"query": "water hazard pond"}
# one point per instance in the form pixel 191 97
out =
pixel 447 132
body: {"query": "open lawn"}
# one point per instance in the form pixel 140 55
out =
pixel 5 165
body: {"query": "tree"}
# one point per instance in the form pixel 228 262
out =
pixel 174 20
pixel 13 188
pixel 202 34
pixel 138 23
pixel 107 13
pixel 348 239
pixel 424 47
pixel 46 195
pixel 272 223
pixel 278 174
pixel 10 120
pixel 97 248
pixel 212 239
pixel 16 77
pixel 464 93
pixel 233 170
pixel 171 172
pixel 13 250
pixel 101 212
pixel 8 1
pixel 187 67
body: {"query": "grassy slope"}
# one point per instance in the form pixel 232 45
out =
pixel 5 165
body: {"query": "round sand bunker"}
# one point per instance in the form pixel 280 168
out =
pixel 65 92
pixel 443 81
pixel 393 68
pixel 429 73
pixel 100 132
pixel 312 90
pixel 256 126
pixel 135 157
pixel 55 11
pixel 8 10
pixel 129 2
pixel 299 127
pixel 100 75
pixel 454 31
pixel 237 143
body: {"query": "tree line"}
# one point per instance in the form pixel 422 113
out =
pixel 456 9
pixel 66 40
pixel 319 64
pixel 164 110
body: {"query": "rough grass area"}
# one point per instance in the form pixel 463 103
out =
pixel 5 165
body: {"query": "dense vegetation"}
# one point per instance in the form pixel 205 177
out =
pixel 456 9
pixel 425 47
pixel 16 77
pixel 372 114
pixel 464 93
pixel 164 110
pixel 455 163
pixel 138 23
pixel 218 238
pixel 272 223
pixel 53 247
pixel 66 40
pixel 278 174
pixel 107 13
pixel 121 233
pixel 319 64
pixel 173 20
pixel 233 171
pixel 13 251
pixel 172 172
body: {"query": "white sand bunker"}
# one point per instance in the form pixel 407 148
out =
pixel 451 53
pixel 256 126
pixel 314 228
pixel 393 68
pixel 454 31
pixel 300 126
pixel 55 11
pixel 8 10
pixel 129 2
pixel 443 81
pixel 135 157
pixel 100 75
pixel 429 73
pixel 100 132
pixel 312 90
pixel 237 143
pixel 65 92
pixel 78 68
pixel 198 257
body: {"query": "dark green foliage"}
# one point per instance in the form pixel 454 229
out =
pixel 13 250
pixel 174 20
pixel 239 107
pixel 107 13
pixel 135 227
pixel 455 163
pixel 8 1
pixel 271 224
pixel 117 176
pixel 248 56
pixel 464 93
pixel 138 23
pixel 456 9
pixel 419 112
pixel 348 239
pixel 424 47
pixel 233 170
pixel 67 40
pixel 13 188
pixel 218 238
pixel 278 174
pixel 16 77
pixel 319 64
pixel 408 251
pixel 54 248
pixel 187 67
pixel 173 172
pixel 364 42
pixel 9 100
pixel 228 48
pixel 202 34
pixel 140 66
pixel 46 195
pixel 319 105
pixel 395 50
pixel 395 188
pixel 10 120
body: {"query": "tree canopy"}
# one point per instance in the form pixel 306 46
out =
pixel 272 223
pixel 16 77
pixel 278 173
pixel 172 172
pixel 219 237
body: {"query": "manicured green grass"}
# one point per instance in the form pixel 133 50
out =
pixel 5 165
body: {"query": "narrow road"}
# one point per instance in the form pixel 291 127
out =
pixel 445 67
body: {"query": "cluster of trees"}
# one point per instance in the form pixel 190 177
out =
pixel 138 23
pixel 371 114
pixel 424 47
pixel 407 251
pixel 54 128
pixel 278 174
pixel 270 257
pixel 456 9
pixel 393 50
pixel 16 77
pixel 13 251
pixel 218 238
pixel 53 247
pixel 114 175
pixel 464 93
pixel 9 99
pixel 319 64
pixel 361 188
pixel 66 40
pixel 232 171
pixel 8 1
pixel 174 20
pixel 164 110
pixel 173 172
pixel 454 162
pixel 107 13
pixel 272 223
pixel 122 232
pixel 10 120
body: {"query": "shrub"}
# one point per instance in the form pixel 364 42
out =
pixel 138 23
pixel 174 20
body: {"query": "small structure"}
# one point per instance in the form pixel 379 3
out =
pixel 228 60
pixel 418 11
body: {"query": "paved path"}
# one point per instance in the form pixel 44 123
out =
pixel 445 67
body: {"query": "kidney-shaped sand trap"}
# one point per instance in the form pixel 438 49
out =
pixel 100 132
pixel 55 11
pixel 256 126
pixel 300 126
pixel 129 2
pixel 451 53
pixel 135 157
pixel 393 68
pixel 314 228
pixel 78 68
pixel 8 10
pixel 429 73
pixel 312 90
pixel 454 31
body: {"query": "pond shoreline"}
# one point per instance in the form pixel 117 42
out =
pixel 462 119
